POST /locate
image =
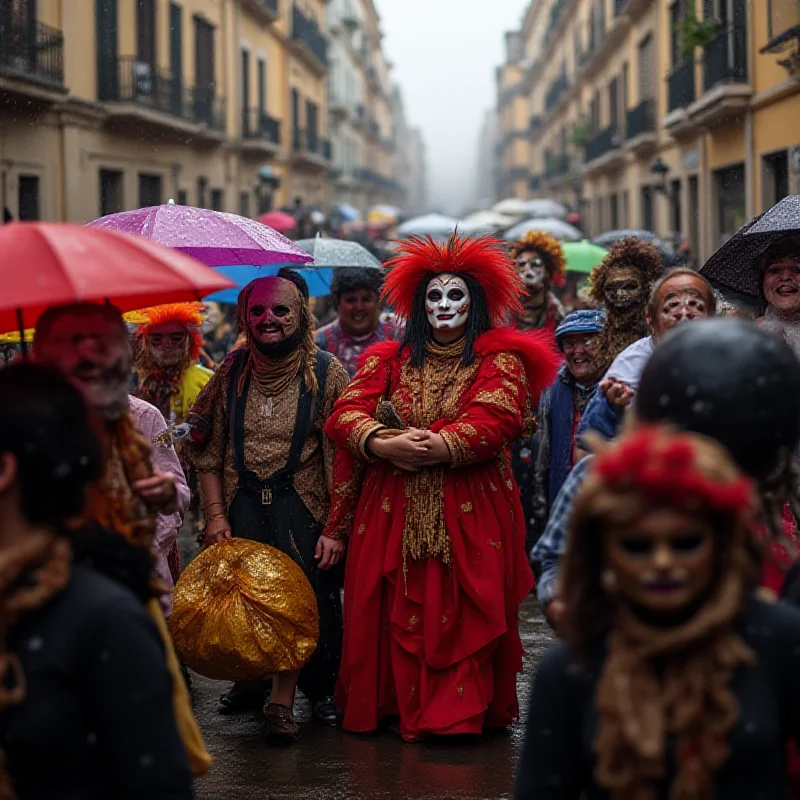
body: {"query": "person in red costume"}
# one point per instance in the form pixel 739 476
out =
pixel 436 569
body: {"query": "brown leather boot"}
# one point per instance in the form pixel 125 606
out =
pixel 282 729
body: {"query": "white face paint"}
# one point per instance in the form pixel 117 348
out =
pixel 532 270
pixel 447 302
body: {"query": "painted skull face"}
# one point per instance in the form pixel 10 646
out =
pixel 168 344
pixel 94 353
pixel 683 298
pixel 532 270
pixel 663 562
pixel 447 302
pixel 624 288
pixel 273 310
pixel 781 285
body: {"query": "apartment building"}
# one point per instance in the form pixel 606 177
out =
pixel 108 105
pixel 669 115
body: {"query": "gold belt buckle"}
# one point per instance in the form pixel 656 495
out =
pixel 266 497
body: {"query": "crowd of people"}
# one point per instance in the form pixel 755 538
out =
pixel 453 431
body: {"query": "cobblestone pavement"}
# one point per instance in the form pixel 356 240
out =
pixel 328 764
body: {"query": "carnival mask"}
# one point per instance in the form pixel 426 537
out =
pixel 624 288
pixel 662 563
pixel 93 351
pixel 781 285
pixel 532 270
pixel 274 309
pixel 680 299
pixel 168 344
pixel 447 302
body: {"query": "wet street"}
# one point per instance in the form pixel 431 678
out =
pixel 328 764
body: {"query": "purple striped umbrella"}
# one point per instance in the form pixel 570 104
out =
pixel 214 238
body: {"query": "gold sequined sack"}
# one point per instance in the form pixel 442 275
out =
pixel 243 611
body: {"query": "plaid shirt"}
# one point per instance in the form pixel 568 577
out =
pixel 553 542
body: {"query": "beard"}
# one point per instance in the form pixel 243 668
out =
pixel 282 348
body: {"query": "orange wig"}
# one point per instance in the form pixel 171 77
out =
pixel 189 315
pixel 482 258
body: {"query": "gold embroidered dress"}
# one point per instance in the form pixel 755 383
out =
pixel 436 566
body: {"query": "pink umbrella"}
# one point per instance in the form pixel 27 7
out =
pixel 215 238
pixel 279 220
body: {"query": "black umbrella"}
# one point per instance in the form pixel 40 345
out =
pixel 666 253
pixel 735 264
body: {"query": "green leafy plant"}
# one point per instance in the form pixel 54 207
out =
pixel 580 133
pixel 693 32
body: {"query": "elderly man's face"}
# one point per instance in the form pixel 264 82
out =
pixel 683 298
pixel 94 353
pixel 782 285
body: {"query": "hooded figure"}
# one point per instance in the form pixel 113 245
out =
pixel 541 265
pixel 423 489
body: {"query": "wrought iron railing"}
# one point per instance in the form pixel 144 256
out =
pixel 606 141
pixel 258 125
pixel 725 57
pixel 681 86
pixel 641 119
pixel 554 93
pixel 306 31
pixel 30 49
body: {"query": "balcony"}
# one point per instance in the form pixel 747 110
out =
pixel 266 10
pixel 156 100
pixel 640 129
pixel 535 125
pixel 557 89
pixel 261 134
pixel 31 58
pixel 308 41
pixel 556 166
pixel 338 107
pixel 680 95
pixel 309 149
pixel 726 91
pixel 604 151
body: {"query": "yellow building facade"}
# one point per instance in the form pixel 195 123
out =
pixel 668 115
pixel 107 105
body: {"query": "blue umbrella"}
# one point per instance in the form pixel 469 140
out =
pixel 319 280
pixel 347 212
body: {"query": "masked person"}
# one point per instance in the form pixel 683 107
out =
pixel 660 688
pixel 780 287
pixel 541 265
pixel 356 297
pixel 264 463
pixel 621 284
pixel 142 485
pixel 563 404
pixel 422 487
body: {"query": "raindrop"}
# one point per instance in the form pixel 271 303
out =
pixel 146 760
pixel 91 738
pixel 35 643
pixel 105 656
pixel 691 391
pixel 699 407
pixel 750 728
pixel 663 401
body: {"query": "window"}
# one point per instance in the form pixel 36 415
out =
pixel 149 190
pixel 646 59
pixel 217 202
pixel 730 201
pixel 205 70
pixel 244 204
pixel 262 87
pixel 613 103
pixel 245 81
pixel 202 185
pixel 106 47
pixel 776 177
pixel 312 129
pixel 183 197
pixel 676 14
pixel 110 192
pixel 676 207
pixel 176 57
pixel 146 32
pixel 648 220
pixel 613 207
pixel 28 198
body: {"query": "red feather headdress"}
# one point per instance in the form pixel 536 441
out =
pixel 482 258
pixel 189 315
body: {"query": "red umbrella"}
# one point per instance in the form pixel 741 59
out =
pixel 279 221
pixel 45 264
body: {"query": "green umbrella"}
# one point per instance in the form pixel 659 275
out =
pixel 582 256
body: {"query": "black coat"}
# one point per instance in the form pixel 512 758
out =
pixel 557 760
pixel 97 720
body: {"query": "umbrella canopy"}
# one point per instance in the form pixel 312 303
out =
pixel 428 225
pixel 279 221
pixel 347 212
pixel 45 264
pixel 318 280
pixel 608 239
pixel 213 237
pixel 485 222
pixel 329 253
pixel 545 208
pixel 557 228
pixel 383 212
pixel 511 207
pixel 582 256
pixel 735 264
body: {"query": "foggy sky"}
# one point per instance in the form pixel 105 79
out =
pixel 444 54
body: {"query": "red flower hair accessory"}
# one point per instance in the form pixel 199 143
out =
pixel 189 315
pixel 666 467
pixel 482 258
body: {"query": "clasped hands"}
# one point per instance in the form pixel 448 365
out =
pixel 410 450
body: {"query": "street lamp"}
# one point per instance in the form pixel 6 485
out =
pixel 660 170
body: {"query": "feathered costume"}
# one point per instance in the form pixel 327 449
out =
pixel 437 569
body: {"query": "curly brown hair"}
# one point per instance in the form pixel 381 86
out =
pixel 549 248
pixel 629 252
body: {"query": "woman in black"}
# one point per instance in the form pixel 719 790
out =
pixel 674 682
pixel 86 699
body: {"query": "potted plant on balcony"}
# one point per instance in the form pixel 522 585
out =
pixel 579 136
pixel 694 32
